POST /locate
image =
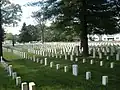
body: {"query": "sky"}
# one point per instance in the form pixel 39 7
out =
pixel 26 16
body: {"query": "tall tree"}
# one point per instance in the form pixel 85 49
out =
pixel 9 15
pixel 89 16
pixel 25 35
pixel 41 24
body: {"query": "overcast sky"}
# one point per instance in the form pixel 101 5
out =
pixel 26 15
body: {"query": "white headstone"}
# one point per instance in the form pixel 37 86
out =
pixel 24 86
pixel 71 57
pixel 91 61
pixel 24 54
pixel 57 66
pixel 84 60
pixel 65 56
pixel 41 61
pixel 1 59
pixel 117 56
pixel 43 53
pixel 10 70
pixel 32 86
pixel 65 68
pixel 61 52
pixel 107 57
pixel 94 53
pixel 101 63
pixel 88 75
pixel 104 80
pixel 51 64
pixel 100 55
pixel 60 56
pixel 18 81
pixel 76 59
pixel 45 61
pixel 75 69
pixel 52 54
pixel 111 64
pixel 37 60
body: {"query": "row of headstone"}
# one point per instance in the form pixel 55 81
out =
pixel 100 63
pixel 24 55
pixel 75 69
pixel 11 73
pixel 74 49
pixel 88 74
pixel 17 78
pixel 104 50
pixel 55 54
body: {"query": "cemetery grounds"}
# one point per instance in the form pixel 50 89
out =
pixel 50 66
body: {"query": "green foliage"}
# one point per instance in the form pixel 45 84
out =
pixel 35 33
pixel 29 33
pixel 100 15
pixel 24 35
pixel 57 34
pixel 11 13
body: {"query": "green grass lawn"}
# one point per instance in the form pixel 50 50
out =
pixel 6 83
pixel 47 78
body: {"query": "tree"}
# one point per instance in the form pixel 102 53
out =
pixel 29 33
pixel 34 32
pixel 24 35
pixel 83 16
pixel 9 15
pixel 58 34
pixel 41 24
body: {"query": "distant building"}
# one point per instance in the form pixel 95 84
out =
pixel 104 37
pixel 117 37
pixel 94 37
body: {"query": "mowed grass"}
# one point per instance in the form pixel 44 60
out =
pixel 47 78
pixel 6 83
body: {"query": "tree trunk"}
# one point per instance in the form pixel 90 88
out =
pixel 84 42
pixel 84 39
pixel 42 36
pixel 1 33
pixel 13 41
pixel 1 51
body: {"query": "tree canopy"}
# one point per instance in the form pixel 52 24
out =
pixel 11 13
pixel 100 15
pixel 82 16
pixel 29 33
